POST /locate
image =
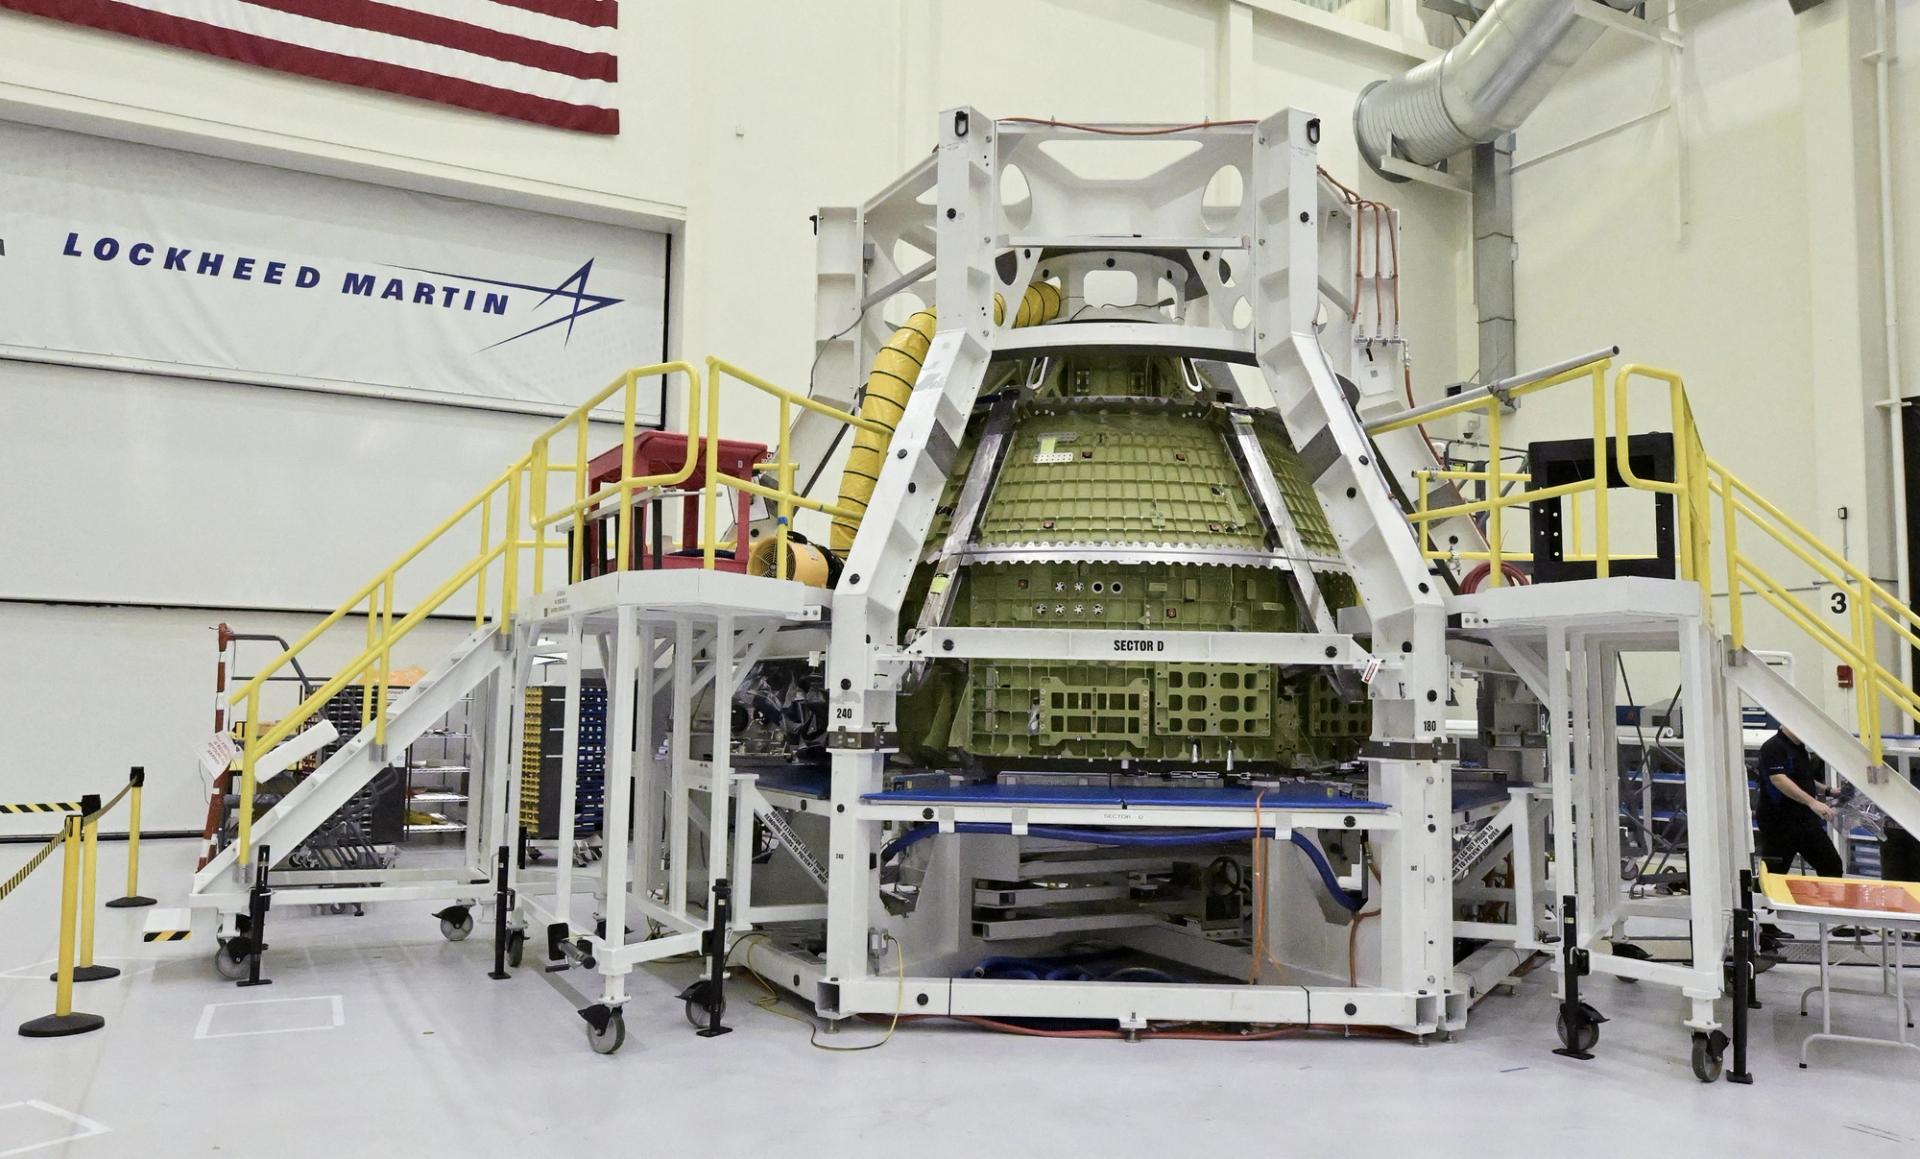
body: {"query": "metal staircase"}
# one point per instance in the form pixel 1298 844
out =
pixel 329 787
pixel 1835 744
pixel 1714 513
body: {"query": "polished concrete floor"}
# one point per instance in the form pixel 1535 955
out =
pixel 378 1037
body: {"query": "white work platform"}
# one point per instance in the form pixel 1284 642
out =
pixel 1276 811
pixel 669 594
pixel 1620 604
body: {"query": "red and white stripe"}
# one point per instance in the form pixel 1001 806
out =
pixel 547 61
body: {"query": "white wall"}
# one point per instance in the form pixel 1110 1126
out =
pixel 170 491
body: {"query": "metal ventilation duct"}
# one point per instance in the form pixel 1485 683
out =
pixel 1481 88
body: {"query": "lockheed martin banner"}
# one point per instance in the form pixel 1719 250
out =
pixel 120 251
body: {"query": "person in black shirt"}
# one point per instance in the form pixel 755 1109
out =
pixel 1791 815
pixel 1899 855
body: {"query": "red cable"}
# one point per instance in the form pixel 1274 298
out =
pixel 1472 580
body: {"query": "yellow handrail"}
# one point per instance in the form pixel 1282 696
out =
pixel 374 663
pixel 522 490
pixel 1868 603
pixel 584 503
pixel 1698 482
pixel 1494 477
pixel 783 495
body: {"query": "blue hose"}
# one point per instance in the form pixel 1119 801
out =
pixel 1328 878
pixel 1157 838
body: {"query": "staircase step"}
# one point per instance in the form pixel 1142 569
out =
pixel 354 765
pixel 168 925
pixel 1832 741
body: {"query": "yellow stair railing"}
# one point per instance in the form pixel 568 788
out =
pixel 372 667
pixel 1699 482
pixel 519 523
pixel 1868 606
pixel 783 497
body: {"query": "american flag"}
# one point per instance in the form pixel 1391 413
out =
pixel 547 61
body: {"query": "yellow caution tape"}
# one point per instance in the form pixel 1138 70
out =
pixel 33 863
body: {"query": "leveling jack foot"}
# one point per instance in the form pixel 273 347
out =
pixel 89 974
pixel 133 902
pixel 61 1025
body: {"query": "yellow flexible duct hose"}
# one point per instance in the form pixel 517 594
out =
pixel 890 382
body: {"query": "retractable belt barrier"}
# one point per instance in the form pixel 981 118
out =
pixel 79 840
pixel 20 875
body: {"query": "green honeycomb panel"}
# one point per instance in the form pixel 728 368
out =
pixel 1297 491
pixel 1081 713
pixel 1152 470
pixel 1119 476
pixel 1231 700
pixel 1328 716
pixel 956 478
pixel 1079 594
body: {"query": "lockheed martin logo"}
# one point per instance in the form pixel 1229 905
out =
pixel 572 291
pixel 449 291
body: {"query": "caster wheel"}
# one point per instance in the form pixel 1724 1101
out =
pixel 699 1009
pixel 1629 950
pixel 516 947
pixel 227 966
pixel 610 1039
pixel 1585 1041
pixel 456 922
pixel 1709 1056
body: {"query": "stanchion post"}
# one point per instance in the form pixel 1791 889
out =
pixel 1742 978
pixel 259 901
pixel 65 1020
pixel 137 779
pixel 502 902
pixel 717 957
pixel 85 970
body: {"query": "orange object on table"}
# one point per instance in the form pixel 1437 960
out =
pixel 1853 895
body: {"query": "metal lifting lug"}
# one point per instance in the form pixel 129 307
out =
pixel 1401 750
pixel 876 741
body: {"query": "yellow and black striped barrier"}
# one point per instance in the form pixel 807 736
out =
pixel 166 935
pixel 65 1020
pixel 20 875
pixel 79 837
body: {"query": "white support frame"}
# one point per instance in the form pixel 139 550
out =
pixel 1578 630
pixel 708 629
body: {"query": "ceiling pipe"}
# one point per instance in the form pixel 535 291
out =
pixel 1481 88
